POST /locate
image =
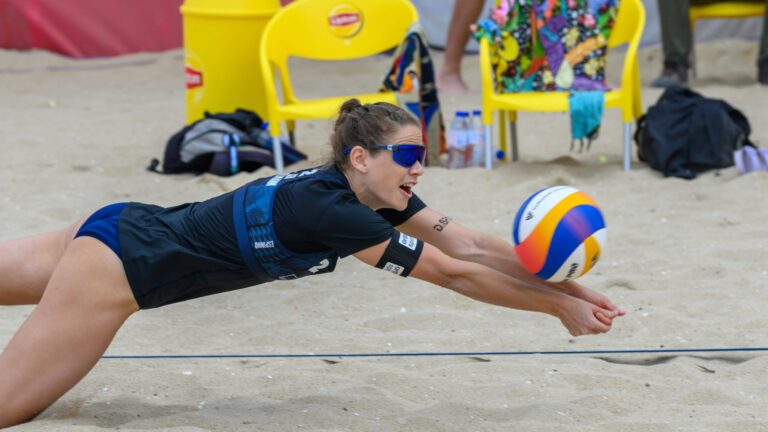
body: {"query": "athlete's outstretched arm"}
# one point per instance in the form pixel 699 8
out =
pixel 467 244
pixel 490 286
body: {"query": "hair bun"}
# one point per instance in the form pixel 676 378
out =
pixel 346 109
pixel 349 106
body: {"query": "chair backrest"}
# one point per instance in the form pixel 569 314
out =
pixel 629 23
pixel 337 29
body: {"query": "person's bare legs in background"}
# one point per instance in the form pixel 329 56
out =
pixel 465 12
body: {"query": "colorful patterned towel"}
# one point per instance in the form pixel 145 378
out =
pixel 546 45
pixel 412 76
pixel 553 45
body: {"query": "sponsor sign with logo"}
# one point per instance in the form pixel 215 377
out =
pixel 194 77
pixel 345 20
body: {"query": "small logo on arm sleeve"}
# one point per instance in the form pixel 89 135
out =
pixel 408 241
pixel 394 268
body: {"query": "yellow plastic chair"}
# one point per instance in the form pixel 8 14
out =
pixel 628 29
pixel 723 10
pixel 326 30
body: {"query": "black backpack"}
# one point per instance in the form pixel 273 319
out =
pixel 222 144
pixel 685 133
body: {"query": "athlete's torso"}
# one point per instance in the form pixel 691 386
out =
pixel 178 253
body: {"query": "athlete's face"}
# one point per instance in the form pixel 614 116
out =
pixel 389 182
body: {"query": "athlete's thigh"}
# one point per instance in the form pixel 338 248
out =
pixel 86 301
pixel 26 264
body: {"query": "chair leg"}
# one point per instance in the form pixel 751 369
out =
pixel 692 58
pixel 488 147
pixel 694 75
pixel 511 150
pixel 503 137
pixel 627 146
pixel 637 97
pixel 277 151
pixel 291 128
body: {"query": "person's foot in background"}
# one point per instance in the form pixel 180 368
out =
pixel 451 83
pixel 465 13
pixel 673 75
pixel 762 72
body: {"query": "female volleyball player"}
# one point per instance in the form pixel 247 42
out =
pixel 88 279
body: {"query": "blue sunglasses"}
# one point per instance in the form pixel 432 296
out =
pixel 405 155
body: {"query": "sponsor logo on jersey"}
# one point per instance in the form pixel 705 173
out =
pixel 264 244
pixel 274 181
pixel 408 241
pixel 320 266
pixel 345 20
pixel 394 268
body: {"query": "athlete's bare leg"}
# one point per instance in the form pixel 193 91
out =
pixel 26 264
pixel 83 305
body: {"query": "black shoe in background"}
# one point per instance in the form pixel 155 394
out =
pixel 673 75
pixel 762 72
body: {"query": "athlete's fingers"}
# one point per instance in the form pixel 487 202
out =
pixel 605 317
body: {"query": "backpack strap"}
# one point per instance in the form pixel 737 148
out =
pixel 171 155
pixel 242 119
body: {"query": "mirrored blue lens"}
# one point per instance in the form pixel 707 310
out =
pixel 408 155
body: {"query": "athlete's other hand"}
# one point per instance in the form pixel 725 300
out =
pixel 581 317
pixel 577 290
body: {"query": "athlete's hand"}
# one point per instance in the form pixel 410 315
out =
pixel 581 317
pixel 577 290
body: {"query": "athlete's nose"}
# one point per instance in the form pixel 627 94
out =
pixel 416 169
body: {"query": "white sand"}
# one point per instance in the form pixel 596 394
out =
pixel 688 260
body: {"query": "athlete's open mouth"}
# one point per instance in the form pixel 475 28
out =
pixel 406 187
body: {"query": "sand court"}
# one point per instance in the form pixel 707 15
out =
pixel 688 260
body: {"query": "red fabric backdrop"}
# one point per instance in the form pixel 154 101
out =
pixel 91 28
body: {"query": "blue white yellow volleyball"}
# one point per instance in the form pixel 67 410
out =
pixel 559 233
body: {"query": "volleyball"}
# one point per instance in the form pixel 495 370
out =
pixel 559 233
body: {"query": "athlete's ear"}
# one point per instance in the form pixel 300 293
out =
pixel 358 158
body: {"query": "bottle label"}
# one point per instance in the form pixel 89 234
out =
pixel 474 137
pixel 458 138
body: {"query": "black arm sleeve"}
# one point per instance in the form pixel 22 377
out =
pixel 401 255
pixel 415 204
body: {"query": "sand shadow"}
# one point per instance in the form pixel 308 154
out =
pixel 657 360
pixel 730 81
pixel 112 414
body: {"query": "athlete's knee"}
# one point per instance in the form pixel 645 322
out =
pixel 13 414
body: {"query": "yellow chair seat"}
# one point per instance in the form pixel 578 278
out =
pixel 545 101
pixel 327 108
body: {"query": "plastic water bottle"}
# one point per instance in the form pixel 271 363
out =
pixel 476 138
pixel 457 140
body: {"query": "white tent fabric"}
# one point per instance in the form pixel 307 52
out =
pixel 436 14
